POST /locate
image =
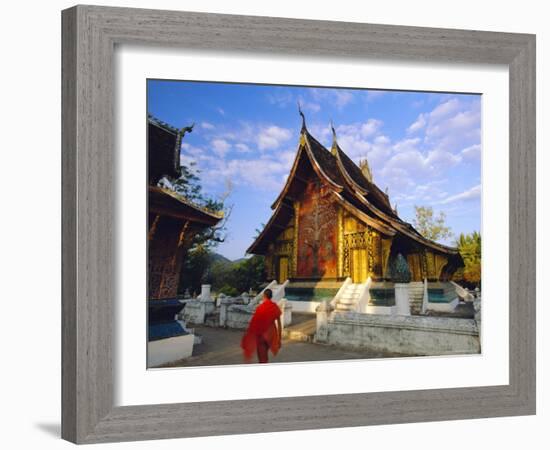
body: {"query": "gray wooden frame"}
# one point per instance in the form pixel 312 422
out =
pixel 89 36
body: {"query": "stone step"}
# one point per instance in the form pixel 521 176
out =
pixel 343 307
pixel 303 330
pixel 299 336
pixel 349 297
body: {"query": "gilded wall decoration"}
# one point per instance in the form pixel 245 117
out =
pixel 341 243
pixel 317 233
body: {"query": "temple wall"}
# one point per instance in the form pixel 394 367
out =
pixel 406 335
pixel 165 256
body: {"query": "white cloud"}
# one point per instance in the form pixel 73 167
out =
pixel 406 145
pixel 338 98
pixel 265 173
pixel 286 99
pixel 311 106
pixel 207 126
pixel 382 140
pixel 418 124
pixel 473 193
pixel 373 95
pixel 221 111
pixel 243 148
pixel 473 152
pixel 272 137
pixel 343 98
pixel 281 99
pixel 445 109
pixel 370 127
pixel 220 147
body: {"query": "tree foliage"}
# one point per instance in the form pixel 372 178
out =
pixel 228 277
pixel 469 246
pixel 431 226
pixel 242 275
pixel 197 261
pixel 189 186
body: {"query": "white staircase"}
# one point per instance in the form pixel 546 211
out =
pixel 416 296
pixel 278 291
pixel 350 297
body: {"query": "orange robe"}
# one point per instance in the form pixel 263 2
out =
pixel 262 324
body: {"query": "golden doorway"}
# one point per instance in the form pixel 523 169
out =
pixel 283 269
pixel 359 265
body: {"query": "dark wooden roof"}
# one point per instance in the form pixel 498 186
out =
pixel 324 159
pixel 163 151
pixel 165 202
pixel 373 193
pixel 351 188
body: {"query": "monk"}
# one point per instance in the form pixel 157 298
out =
pixel 264 330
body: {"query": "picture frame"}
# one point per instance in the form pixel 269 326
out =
pixel 89 37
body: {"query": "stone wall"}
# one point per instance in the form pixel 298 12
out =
pixel 195 311
pixel 238 316
pixel 407 335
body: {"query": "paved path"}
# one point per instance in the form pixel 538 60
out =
pixel 222 347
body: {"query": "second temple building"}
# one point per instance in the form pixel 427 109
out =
pixel 331 222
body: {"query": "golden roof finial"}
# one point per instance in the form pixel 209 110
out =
pixel 365 169
pixel 334 148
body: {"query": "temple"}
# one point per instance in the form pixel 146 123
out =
pixel 172 219
pixel 331 222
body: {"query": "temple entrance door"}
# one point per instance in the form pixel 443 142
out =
pixel 283 269
pixel 359 265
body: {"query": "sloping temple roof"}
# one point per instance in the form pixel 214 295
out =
pixel 351 188
pixel 163 148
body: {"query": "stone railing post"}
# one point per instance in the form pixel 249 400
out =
pixel 402 299
pixel 224 307
pixel 323 312
pixel 205 292
pixel 207 303
pixel 202 313
pixel 477 312
pixel 286 312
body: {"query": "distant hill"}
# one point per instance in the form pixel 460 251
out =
pixel 236 261
pixel 217 258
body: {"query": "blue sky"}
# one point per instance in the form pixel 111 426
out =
pixel 424 147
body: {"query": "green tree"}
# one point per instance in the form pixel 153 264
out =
pixel 430 226
pixel 469 246
pixel 248 273
pixel 189 186
pixel 195 269
pixel 198 250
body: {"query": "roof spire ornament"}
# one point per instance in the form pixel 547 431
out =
pixel 188 129
pixel 365 169
pixel 303 117
pixel 334 148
